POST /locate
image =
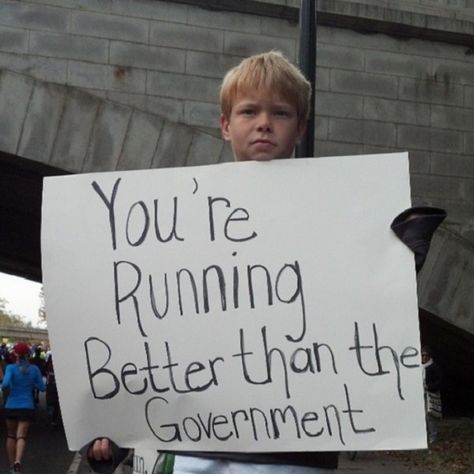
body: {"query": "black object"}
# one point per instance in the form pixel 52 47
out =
pixel 415 228
pixel 307 64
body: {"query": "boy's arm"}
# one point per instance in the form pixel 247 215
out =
pixel 415 228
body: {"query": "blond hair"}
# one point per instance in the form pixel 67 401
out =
pixel 269 71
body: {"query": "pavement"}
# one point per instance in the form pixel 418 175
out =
pixel 46 448
pixel 377 462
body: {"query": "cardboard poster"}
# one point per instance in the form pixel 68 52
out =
pixel 235 307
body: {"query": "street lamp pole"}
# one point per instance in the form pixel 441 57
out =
pixel 307 64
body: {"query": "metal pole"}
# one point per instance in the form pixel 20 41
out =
pixel 307 64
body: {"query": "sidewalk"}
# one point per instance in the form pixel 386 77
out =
pixel 377 462
pixel 46 449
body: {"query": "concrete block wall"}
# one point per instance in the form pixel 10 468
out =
pixel 379 93
pixel 160 56
pixel 375 92
pixel 445 283
pixel 77 132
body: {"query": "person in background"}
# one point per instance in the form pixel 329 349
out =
pixel 3 359
pixel 52 400
pixel 38 359
pixel 8 358
pixel 432 378
pixel 3 353
pixel 20 378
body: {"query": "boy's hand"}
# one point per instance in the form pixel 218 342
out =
pixel 100 450
pixel 103 455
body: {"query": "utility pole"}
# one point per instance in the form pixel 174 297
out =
pixel 307 64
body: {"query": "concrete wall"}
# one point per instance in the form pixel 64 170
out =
pixel 74 131
pixel 446 282
pixel 388 87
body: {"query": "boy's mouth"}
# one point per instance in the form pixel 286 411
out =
pixel 263 146
pixel 262 141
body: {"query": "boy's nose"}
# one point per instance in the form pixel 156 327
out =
pixel 264 123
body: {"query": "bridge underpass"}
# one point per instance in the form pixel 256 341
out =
pixel 21 184
pixel 454 350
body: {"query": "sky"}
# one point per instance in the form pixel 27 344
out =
pixel 22 296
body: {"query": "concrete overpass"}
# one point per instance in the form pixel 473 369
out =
pixel 32 335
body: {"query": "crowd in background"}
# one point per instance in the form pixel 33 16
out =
pixel 25 371
pixel 40 356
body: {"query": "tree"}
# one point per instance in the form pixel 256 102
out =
pixel 8 319
pixel 42 308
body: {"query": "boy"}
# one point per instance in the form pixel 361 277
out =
pixel 264 110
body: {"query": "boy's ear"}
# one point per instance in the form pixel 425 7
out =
pixel 225 128
pixel 301 130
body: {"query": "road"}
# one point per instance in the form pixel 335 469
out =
pixel 46 448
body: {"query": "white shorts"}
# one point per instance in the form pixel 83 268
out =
pixel 193 465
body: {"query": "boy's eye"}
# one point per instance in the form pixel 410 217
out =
pixel 282 113
pixel 247 111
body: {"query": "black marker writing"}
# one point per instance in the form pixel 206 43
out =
pixel 109 203
pixel 278 362
pixel 237 215
pixel 160 374
pixel 212 288
pixel 265 423
pixel 137 219
pixel 373 351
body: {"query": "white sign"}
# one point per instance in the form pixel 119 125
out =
pixel 235 307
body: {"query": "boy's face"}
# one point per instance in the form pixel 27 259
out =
pixel 261 127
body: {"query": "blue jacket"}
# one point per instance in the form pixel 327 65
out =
pixel 21 378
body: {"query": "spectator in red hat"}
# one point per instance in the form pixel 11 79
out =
pixel 20 378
